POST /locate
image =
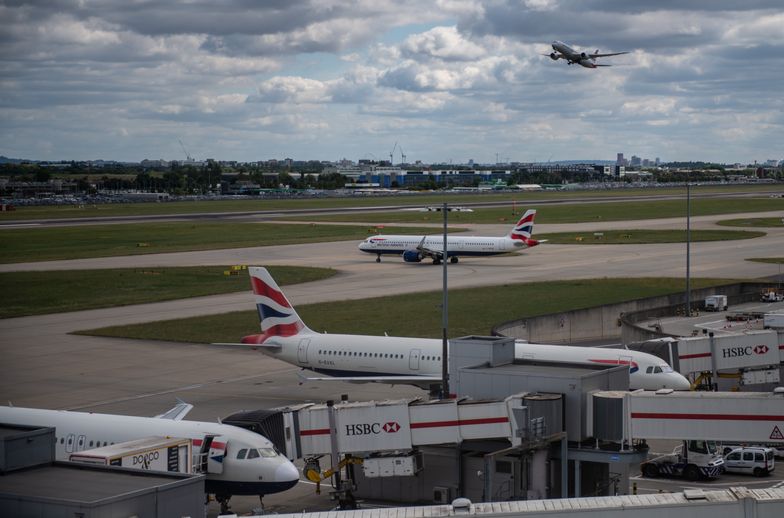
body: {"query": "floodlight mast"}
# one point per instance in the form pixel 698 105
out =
pixel 445 319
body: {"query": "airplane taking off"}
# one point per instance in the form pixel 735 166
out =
pixel 563 51
pixel 237 461
pixel 410 361
pixel 414 249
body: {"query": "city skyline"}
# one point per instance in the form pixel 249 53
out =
pixel 440 82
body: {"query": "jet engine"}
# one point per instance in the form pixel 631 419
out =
pixel 412 256
pixel 583 55
pixel 554 56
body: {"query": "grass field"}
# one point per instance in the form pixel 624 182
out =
pixel 77 242
pixel 769 260
pixel 572 213
pixel 37 293
pixel 471 311
pixel 417 199
pixel 627 237
pixel 753 222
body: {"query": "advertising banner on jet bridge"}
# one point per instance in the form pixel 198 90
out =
pixel 373 427
pixel 731 352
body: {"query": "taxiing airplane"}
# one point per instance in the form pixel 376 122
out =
pixel 415 248
pixel 412 361
pixel 237 461
pixel 588 60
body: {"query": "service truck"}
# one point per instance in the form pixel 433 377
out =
pixel 716 303
pixel 772 295
pixel 691 460
pixel 773 320
pixel 148 453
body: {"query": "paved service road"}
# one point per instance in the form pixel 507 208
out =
pixel 44 366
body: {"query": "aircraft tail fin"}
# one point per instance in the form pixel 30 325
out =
pixel 276 314
pixel 524 229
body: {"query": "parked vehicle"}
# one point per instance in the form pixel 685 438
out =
pixel 716 303
pixel 750 460
pixel 691 460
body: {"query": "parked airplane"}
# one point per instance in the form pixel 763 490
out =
pixel 237 461
pixel 413 361
pixel 572 56
pixel 415 248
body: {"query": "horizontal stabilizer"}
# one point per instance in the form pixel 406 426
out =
pixel 251 346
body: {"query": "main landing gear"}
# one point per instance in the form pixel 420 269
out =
pixel 378 258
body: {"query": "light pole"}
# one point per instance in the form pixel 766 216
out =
pixel 688 247
pixel 445 321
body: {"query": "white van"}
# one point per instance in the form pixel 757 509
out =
pixel 750 460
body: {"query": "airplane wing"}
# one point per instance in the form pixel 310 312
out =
pixel 179 411
pixel 422 381
pixel 428 252
pixel 606 55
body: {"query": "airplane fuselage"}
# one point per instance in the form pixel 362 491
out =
pixel 356 355
pixel 476 246
pixel 266 473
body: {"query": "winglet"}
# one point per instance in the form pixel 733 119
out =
pixel 179 411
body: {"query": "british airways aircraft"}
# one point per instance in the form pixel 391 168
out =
pixel 588 60
pixel 412 361
pixel 415 248
pixel 236 461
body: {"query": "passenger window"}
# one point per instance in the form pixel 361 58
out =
pixel 758 457
pixel 241 454
pixel 748 456
pixel 253 453
pixel 733 456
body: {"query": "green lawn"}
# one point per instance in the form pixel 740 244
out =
pixel 572 212
pixel 627 237
pixel 417 199
pixel 37 293
pixel 753 222
pixel 471 311
pixel 77 242
pixel 770 260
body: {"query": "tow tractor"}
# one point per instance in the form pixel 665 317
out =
pixel 691 460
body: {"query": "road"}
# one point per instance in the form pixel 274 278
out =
pixel 45 366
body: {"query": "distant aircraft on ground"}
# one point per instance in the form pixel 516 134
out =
pixel 588 60
pixel 237 461
pixel 415 248
pixel 410 361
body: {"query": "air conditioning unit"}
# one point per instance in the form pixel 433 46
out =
pixel 443 494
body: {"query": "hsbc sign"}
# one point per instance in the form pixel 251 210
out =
pixel 371 428
pixel 733 352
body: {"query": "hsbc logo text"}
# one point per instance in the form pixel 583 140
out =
pixel 371 428
pixel 733 352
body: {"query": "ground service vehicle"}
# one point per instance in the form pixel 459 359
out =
pixel 691 460
pixel 148 453
pixel 772 295
pixel 775 320
pixel 751 460
pixel 716 303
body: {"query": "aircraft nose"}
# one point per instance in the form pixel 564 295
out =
pixel 286 472
pixel 680 382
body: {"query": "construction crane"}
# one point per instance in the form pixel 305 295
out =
pixel 402 156
pixel 187 155
pixel 391 154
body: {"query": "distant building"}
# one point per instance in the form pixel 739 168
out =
pixel 619 159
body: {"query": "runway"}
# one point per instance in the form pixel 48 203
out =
pixel 44 366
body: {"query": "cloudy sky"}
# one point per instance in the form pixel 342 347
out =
pixel 447 80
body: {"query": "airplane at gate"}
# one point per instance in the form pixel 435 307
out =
pixel 415 248
pixel 412 361
pixel 238 461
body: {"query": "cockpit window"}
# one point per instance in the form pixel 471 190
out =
pixel 267 452
pixel 649 370
pixel 253 453
pixel 666 368
pixel 657 370
pixel 241 454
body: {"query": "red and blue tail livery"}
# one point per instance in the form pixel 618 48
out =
pixel 524 229
pixel 276 314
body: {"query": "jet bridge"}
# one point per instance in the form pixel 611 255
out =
pixel 754 417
